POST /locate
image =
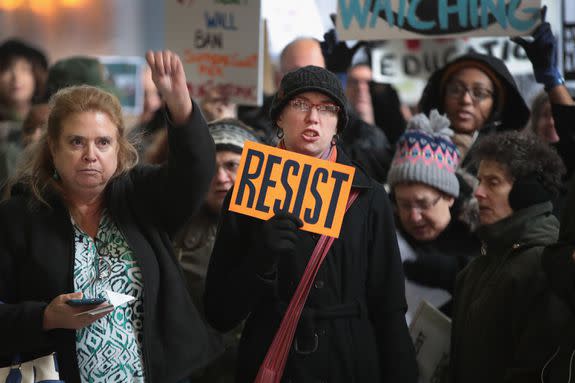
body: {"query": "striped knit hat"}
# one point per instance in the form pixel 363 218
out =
pixel 425 154
pixel 230 134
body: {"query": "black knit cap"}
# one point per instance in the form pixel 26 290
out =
pixel 310 79
pixel 12 48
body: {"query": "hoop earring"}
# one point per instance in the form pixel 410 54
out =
pixel 280 133
pixel 334 139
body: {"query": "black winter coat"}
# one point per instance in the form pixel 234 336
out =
pixel 502 318
pixel 559 268
pixel 564 115
pixel 352 328
pixel 148 203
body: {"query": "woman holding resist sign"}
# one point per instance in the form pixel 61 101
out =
pixel 352 327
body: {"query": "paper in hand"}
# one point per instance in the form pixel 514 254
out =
pixel 114 300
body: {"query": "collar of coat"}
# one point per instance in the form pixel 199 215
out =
pixel 360 179
pixel 528 227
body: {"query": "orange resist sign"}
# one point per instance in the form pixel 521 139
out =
pixel 272 180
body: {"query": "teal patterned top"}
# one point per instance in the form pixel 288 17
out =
pixel 110 349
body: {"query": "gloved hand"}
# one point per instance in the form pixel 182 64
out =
pixel 336 53
pixel 433 270
pixel 542 52
pixel 278 236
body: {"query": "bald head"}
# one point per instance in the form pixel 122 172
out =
pixel 300 53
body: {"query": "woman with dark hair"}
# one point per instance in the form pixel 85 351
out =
pixel 500 309
pixel 23 71
pixel 479 95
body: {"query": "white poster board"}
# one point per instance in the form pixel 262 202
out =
pixel 408 63
pixel 125 74
pixel 430 332
pixel 221 45
pixel 409 19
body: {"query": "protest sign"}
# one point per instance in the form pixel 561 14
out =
pixel 124 73
pixel 271 180
pixel 417 19
pixel 430 332
pixel 221 44
pixel 569 40
pixel 408 63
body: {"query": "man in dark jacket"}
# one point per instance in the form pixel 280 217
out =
pixel 500 327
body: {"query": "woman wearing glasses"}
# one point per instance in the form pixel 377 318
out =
pixel 82 219
pixel 434 232
pixel 479 95
pixel 352 328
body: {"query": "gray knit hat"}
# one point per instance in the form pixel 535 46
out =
pixel 310 79
pixel 231 134
pixel 425 154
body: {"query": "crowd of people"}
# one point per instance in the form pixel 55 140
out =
pixel 464 201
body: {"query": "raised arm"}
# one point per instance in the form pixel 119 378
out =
pixel 170 79
pixel 168 195
pixel 542 52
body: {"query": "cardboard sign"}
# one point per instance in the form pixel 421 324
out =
pixel 431 335
pixel 408 63
pixel 416 19
pixel 221 45
pixel 271 180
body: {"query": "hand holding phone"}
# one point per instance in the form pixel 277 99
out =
pixel 86 301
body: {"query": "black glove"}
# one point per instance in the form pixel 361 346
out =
pixel 542 52
pixel 336 53
pixel 433 270
pixel 278 236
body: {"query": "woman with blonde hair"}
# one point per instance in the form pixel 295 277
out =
pixel 82 220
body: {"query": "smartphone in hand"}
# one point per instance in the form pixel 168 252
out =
pixel 86 301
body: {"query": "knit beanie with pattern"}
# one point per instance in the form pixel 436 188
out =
pixel 230 134
pixel 310 79
pixel 425 154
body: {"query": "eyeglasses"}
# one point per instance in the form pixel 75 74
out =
pixel 104 269
pixel 230 167
pixel 304 106
pixel 477 93
pixel 419 206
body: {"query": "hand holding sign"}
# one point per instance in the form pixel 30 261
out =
pixel 278 237
pixel 271 181
pixel 542 52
